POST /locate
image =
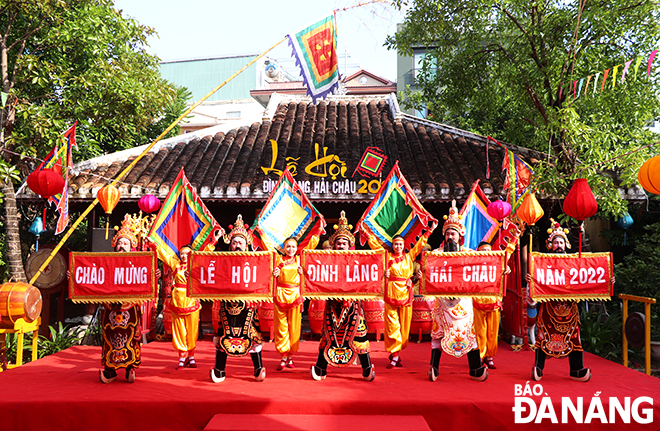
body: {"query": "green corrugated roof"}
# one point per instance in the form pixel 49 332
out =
pixel 203 75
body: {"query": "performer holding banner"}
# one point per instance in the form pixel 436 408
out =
pixel 120 323
pixel 344 328
pixel 287 303
pixel 238 332
pixel 453 319
pixel 558 320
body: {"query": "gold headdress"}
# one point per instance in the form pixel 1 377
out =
pixel 238 228
pixel 343 230
pixel 556 230
pixel 453 220
pixel 129 228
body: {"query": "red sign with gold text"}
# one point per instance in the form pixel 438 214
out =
pixel 233 275
pixel 569 276
pixel 347 274
pixel 465 273
pixel 112 277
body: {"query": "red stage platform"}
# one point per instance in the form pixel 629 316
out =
pixel 63 392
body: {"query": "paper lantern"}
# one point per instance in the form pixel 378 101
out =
pixel 45 182
pixel 108 197
pixel 649 175
pixel 499 209
pixel 149 203
pixel 530 210
pixel 624 222
pixel 580 202
pixel 36 229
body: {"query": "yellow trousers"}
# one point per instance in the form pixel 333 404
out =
pixel 185 330
pixel 486 327
pixel 287 329
pixel 397 327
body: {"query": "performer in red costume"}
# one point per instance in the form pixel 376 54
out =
pixel 344 328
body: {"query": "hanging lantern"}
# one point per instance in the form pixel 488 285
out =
pixel 108 197
pixel 36 229
pixel 580 203
pixel 530 210
pixel 649 175
pixel 499 209
pixel 624 222
pixel 45 183
pixel 149 203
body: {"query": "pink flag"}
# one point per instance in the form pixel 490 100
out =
pixel 625 70
pixel 651 58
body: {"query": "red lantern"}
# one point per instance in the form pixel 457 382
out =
pixel 649 175
pixel 580 202
pixel 530 210
pixel 499 209
pixel 149 203
pixel 108 197
pixel 46 183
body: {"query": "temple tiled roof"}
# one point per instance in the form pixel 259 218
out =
pixel 439 162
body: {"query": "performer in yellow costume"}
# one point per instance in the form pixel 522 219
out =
pixel 487 321
pixel 399 295
pixel 185 310
pixel 287 303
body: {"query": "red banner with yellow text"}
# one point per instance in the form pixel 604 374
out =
pixel 232 275
pixel 475 274
pixel 569 276
pixel 349 274
pixel 112 277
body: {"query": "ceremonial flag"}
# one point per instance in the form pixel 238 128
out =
pixel 315 51
pixel 371 163
pixel 519 176
pixel 395 210
pixel 287 213
pixel 479 225
pixel 182 220
pixel 59 159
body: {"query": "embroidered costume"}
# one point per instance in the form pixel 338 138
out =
pixel 239 332
pixel 453 319
pixel 344 332
pixel 558 323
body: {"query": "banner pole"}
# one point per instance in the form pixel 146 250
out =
pixel 137 159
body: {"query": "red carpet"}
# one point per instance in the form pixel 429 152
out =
pixel 63 391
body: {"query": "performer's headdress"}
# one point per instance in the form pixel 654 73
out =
pixel 129 228
pixel 238 228
pixel 556 230
pixel 453 221
pixel 343 230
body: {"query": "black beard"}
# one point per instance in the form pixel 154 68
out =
pixel 559 251
pixel 450 245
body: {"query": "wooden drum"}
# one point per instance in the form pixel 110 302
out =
pixel 315 315
pixel 422 317
pixel 19 300
pixel 374 314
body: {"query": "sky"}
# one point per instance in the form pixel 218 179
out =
pixel 216 28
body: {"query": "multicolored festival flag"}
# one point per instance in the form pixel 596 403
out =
pixel 519 176
pixel 371 163
pixel 479 225
pixel 182 220
pixel 60 160
pixel 395 210
pixel 315 51
pixel 287 213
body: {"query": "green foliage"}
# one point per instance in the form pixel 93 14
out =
pixel 600 332
pixel 639 273
pixel 507 68
pixel 61 337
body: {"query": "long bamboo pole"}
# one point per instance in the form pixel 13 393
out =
pixel 146 150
